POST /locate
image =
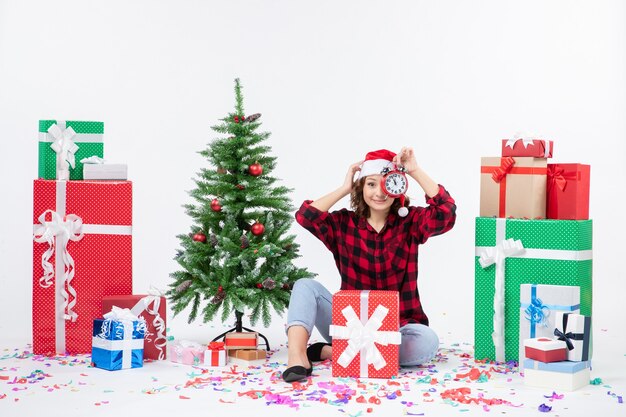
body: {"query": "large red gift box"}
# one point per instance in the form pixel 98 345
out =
pixel 537 148
pixel 82 252
pixel 152 309
pixel 365 331
pixel 568 191
pixel 513 187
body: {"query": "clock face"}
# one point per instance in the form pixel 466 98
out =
pixel 395 184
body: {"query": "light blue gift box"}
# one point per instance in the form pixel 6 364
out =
pixel 117 344
pixel 564 367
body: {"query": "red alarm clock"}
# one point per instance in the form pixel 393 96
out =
pixel 395 184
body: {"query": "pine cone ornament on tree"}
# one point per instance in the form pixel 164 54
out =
pixel 269 284
pixel 213 240
pixel 252 117
pixel 245 242
pixel 218 298
pixel 183 286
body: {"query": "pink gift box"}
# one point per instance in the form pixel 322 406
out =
pixel 186 352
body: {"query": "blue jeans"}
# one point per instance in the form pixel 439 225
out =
pixel 310 306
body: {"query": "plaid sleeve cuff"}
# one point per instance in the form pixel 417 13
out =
pixel 440 198
pixel 311 213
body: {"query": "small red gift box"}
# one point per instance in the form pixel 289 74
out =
pixel 82 252
pixel 215 355
pixel 365 331
pixel 544 349
pixel 568 191
pixel 152 309
pixel 241 340
pixel 537 148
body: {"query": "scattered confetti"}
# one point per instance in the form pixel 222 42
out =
pixel 544 408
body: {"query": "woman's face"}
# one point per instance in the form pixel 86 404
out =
pixel 374 196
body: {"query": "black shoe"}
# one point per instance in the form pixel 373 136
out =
pixel 314 352
pixel 297 373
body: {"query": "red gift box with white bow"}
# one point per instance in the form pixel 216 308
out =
pixel 365 331
pixel 150 307
pixel 82 252
pixel 537 148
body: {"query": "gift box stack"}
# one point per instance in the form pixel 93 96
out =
pixel 560 362
pixel 365 331
pixel 533 228
pixel 244 345
pixel 82 249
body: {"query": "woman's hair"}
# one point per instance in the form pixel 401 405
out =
pixel 361 209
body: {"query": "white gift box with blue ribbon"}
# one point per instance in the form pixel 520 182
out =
pixel 538 307
pixel 118 341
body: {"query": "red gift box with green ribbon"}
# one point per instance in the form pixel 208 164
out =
pixel 568 191
pixel 82 252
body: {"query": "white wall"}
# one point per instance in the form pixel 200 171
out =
pixel 333 80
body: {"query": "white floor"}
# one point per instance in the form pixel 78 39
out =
pixel 68 386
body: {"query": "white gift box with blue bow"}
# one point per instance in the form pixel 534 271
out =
pixel 118 340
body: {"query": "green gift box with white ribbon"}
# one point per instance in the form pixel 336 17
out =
pixel 63 144
pixel 511 252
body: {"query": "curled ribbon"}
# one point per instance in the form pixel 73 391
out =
pixel 154 300
pixel 537 312
pixel 363 337
pixel 64 146
pixel 64 229
pixel 506 164
pixel 497 255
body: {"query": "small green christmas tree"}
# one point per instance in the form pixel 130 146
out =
pixel 239 253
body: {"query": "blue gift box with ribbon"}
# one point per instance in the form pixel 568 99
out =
pixel 539 305
pixel 118 343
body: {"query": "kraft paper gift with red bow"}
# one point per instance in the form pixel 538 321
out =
pixel 215 355
pixel 150 307
pixel 82 252
pixel 365 331
pixel 568 191
pixel 513 187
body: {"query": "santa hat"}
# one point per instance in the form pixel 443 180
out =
pixel 375 162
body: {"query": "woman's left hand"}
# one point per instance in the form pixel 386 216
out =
pixel 406 159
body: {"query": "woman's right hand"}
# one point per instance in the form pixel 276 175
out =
pixel 349 180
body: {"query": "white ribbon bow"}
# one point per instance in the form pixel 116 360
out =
pixel 154 299
pixel 64 146
pixel 526 140
pixel 363 337
pixel 497 255
pixel 64 229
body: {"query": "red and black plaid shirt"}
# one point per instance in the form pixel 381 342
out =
pixel 385 260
